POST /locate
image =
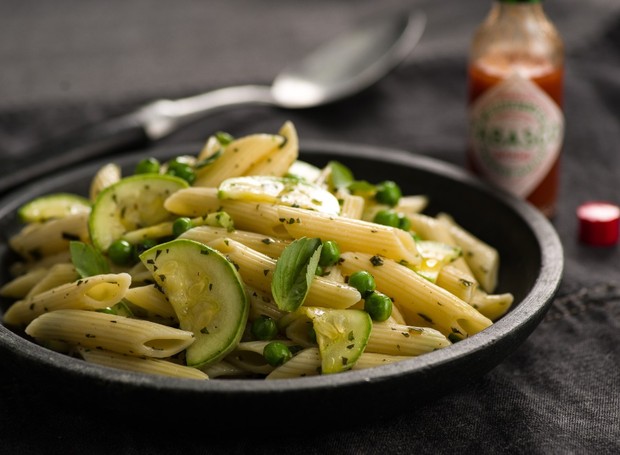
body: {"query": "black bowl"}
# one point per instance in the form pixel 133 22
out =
pixel 531 269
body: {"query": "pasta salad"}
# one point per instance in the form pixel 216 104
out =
pixel 244 261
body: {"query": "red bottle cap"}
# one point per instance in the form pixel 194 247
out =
pixel 599 223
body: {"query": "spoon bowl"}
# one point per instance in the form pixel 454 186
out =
pixel 349 63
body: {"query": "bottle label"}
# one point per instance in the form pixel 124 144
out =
pixel 516 133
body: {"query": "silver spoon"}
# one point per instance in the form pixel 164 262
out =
pixel 346 65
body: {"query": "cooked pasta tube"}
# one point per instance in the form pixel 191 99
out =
pixel 140 275
pixel 152 300
pixel 37 240
pixel 421 302
pixel 165 229
pixel 279 160
pixel 305 363
pixel 482 258
pixel 107 175
pixel 223 369
pixel 211 147
pixel 404 340
pixel 140 364
pixel 308 363
pixel 270 246
pixel 407 205
pixel 92 293
pixel 493 306
pixel 262 304
pixel 248 356
pixel 249 216
pixel 457 282
pixel 256 270
pixel 351 234
pixel 299 331
pixel 57 275
pixel 371 360
pixel 97 330
pixel 430 228
pixel 237 157
pixel 19 286
pixel 351 206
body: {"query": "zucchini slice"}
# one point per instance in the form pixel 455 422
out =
pixel 130 204
pixel 280 190
pixel 206 293
pixel 57 205
pixel 342 335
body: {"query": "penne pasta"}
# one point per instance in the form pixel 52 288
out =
pixel 404 340
pixel 306 363
pixel 19 286
pixel 483 259
pixel 421 302
pixel 351 234
pixel 431 228
pixel 153 301
pixel 38 240
pixel 457 282
pixel 249 216
pixel 278 161
pixel 269 246
pixel 248 356
pixel 93 293
pixel 140 364
pixel 107 175
pixel 371 360
pixel 493 306
pixel 57 275
pixel 224 369
pixel 238 157
pixel 96 330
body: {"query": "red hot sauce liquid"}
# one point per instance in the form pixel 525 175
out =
pixel 483 75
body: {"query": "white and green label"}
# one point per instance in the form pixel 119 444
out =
pixel 516 133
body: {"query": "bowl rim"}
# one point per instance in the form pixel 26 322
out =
pixel 531 308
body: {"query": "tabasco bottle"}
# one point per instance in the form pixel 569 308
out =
pixel 516 124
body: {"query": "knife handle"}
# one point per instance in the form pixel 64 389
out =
pixel 120 134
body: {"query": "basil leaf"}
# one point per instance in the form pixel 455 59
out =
pixel 294 272
pixel 362 188
pixel 209 160
pixel 87 260
pixel 340 175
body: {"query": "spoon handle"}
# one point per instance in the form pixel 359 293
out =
pixel 132 131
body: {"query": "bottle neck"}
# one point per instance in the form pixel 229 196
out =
pixel 508 13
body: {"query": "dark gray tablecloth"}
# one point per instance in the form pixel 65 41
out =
pixel 67 63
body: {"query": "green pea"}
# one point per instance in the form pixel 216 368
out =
pixel 320 271
pixel 277 353
pixel 404 222
pixel 121 252
pixel 330 253
pixel 388 192
pixel 148 166
pixel 181 225
pixel 182 170
pixel 264 328
pixel 363 281
pixel 378 306
pixel 387 218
